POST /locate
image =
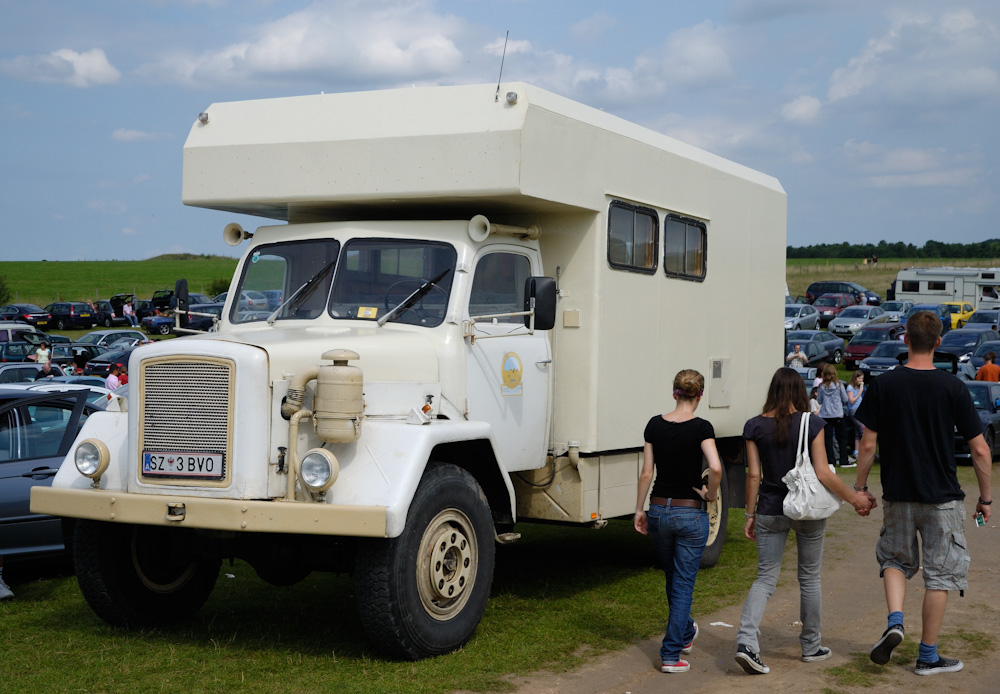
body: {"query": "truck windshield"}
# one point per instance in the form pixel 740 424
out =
pixel 297 272
pixel 376 275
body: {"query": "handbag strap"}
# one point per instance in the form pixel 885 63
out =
pixel 802 450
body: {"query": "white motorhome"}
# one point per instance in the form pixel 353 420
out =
pixel 978 286
pixel 484 301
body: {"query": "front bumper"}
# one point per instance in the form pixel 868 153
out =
pixel 233 515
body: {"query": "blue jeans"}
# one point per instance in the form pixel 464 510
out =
pixel 772 533
pixel 679 534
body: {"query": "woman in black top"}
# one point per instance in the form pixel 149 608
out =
pixel 772 440
pixel 677 521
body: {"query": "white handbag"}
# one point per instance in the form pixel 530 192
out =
pixel 807 498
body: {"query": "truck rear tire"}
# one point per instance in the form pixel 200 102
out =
pixel 718 520
pixel 142 576
pixel 423 593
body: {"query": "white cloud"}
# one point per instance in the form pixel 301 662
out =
pixel 592 27
pixel 803 110
pixel 113 207
pixel 912 167
pixel 341 41
pixel 129 231
pixel 141 178
pixel 64 66
pixel 126 135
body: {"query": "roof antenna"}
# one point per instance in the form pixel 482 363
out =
pixel 504 55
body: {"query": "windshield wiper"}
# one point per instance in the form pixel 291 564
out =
pixel 302 293
pixel 413 298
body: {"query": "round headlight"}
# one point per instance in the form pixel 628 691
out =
pixel 319 470
pixel 92 458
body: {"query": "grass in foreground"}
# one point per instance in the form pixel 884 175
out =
pixel 560 596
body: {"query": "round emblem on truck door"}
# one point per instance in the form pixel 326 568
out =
pixel 510 371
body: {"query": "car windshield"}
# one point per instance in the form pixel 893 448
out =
pixel 981 396
pixel 854 313
pixel 825 301
pixel 792 311
pixel 918 309
pixel 890 349
pixel 983 317
pixel 90 338
pixel 799 335
pixel 982 349
pixel 958 339
pixel 870 337
pixel 379 275
pixel 303 268
pixel 894 306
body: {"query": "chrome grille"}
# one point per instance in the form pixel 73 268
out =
pixel 186 406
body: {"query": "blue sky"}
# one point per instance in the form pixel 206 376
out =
pixel 878 116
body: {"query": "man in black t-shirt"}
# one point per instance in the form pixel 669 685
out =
pixel 911 413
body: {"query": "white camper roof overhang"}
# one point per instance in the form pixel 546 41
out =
pixel 437 152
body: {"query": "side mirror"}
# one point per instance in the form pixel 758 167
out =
pixel 182 297
pixel 540 296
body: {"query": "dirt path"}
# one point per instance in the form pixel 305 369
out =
pixel 853 618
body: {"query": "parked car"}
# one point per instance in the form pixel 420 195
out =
pixel 833 345
pixel 15 332
pixel 939 309
pixel 15 351
pixel 798 317
pixel 983 319
pixel 960 312
pixel 48 338
pixel 22 372
pixel 276 296
pixel 143 308
pixel 196 298
pixel 25 313
pixel 73 353
pixel 852 319
pixel 38 428
pixel 96 394
pixel 162 299
pixel 106 314
pixel 986 397
pixel 979 353
pixel 101 365
pixel 883 358
pixel 867 339
pixel 205 323
pixel 813 351
pixel 962 342
pixel 830 306
pixel 249 300
pixel 895 310
pixel 71 314
pixel 817 289
pixel 159 323
pixel 106 337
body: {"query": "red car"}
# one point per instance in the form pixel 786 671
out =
pixel 830 306
pixel 867 339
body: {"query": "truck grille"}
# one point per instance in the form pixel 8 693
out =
pixel 186 406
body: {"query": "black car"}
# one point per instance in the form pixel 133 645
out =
pixel 101 364
pixel 26 313
pixel 978 357
pixel 73 353
pixel 883 358
pixel 962 342
pixel 71 314
pixel 204 322
pixel 986 396
pixel 107 315
pixel 36 432
pixel 983 319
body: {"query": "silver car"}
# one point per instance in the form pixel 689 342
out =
pixel 852 318
pixel 801 317
pixel 895 310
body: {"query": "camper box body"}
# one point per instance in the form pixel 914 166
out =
pixel 978 286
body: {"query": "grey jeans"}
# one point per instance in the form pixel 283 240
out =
pixel 772 533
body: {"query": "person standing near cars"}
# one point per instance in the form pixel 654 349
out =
pixel 112 382
pixel 989 371
pixel 911 414
pixel 129 312
pixel 832 399
pixel 796 358
pixel 855 393
pixel 771 445
pixel 43 354
pixel 675 444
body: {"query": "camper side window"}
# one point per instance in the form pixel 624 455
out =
pixel 684 248
pixel 633 234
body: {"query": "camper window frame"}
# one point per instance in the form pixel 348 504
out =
pixel 703 237
pixel 654 255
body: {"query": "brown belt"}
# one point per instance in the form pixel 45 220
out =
pixel 662 501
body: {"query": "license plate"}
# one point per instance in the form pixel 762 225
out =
pixel 42 322
pixel 204 466
pixel 84 315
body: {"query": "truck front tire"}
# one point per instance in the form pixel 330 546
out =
pixel 142 576
pixel 423 593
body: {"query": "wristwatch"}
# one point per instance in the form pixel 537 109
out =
pixel 863 489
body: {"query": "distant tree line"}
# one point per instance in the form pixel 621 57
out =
pixel 989 248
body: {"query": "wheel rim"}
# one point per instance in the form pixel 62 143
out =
pixel 714 509
pixel 151 561
pixel 448 561
pixel 164 329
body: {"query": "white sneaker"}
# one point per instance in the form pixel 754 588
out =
pixel 5 591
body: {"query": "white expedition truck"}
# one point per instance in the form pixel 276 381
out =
pixel 484 296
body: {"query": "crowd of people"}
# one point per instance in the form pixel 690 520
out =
pixel 908 415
